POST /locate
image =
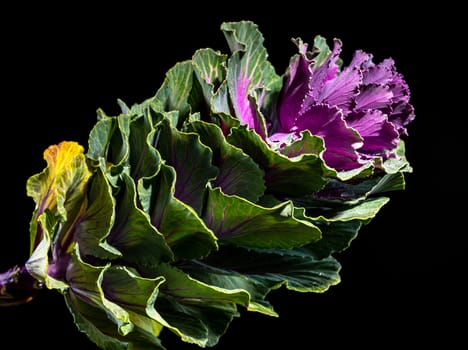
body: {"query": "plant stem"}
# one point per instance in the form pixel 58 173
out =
pixel 17 286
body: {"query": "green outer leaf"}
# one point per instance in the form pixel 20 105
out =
pixel 124 109
pixel 197 312
pixel 302 274
pixel 363 211
pixel 307 144
pixel 399 163
pixel 132 233
pixel 336 237
pixel 64 178
pixel 241 88
pixel 144 160
pixel 185 233
pixel 209 66
pixel 232 280
pixel 137 295
pixel 339 194
pixel 94 315
pixel 191 160
pixel 273 268
pixel 249 73
pixel 200 324
pixel 244 37
pixel 240 222
pixel 94 322
pixel 389 182
pixel 188 290
pixel 300 176
pixel 174 93
pixel 321 50
pixel 93 227
pixel 108 142
pixel 38 263
pixel 60 188
pixel 210 69
pixel 220 103
pixel 85 282
pixel 363 172
pixel 224 121
pixel 99 137
pixel 238 173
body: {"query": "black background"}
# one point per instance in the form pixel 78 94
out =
pixel 402 278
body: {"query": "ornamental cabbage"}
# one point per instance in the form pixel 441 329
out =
pixel 230 182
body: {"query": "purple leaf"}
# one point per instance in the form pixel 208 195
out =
pixel 341 141
pixel 323 73
pixel 377 132
pixel 295 89
pixel 341 90
pixel 401 115
pixel 373 96
pixel 381 73
pixel 245 107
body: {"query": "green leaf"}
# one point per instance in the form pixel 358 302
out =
pixel 92 227
pixel 238 173
pixel 132 233
pixel 113 305
pixel 174 93
pixel 321 50
pixel 399 163
pixel 191 160
pixel 85 283
pixel 209 67
pixel 197 323
pixel 249 73
pixel 137 295
pixel 273 268
pixel 61 189
pixel 221 104
pixel 240 222
pixel 307 144
pixel 93 322
pixel 188 290
pixel 363 172
pixel 388 182
pixel 339 194
pixel 144 160
pixel 185 233
pixel 336 237
pixel 302 274
pixel 229 279
pixel 199 313
pixel 108 143
pixel 363 211
pixel 244 38
pixel 38 263
pixel 299 176
pixel 340 225
pixel 224 121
